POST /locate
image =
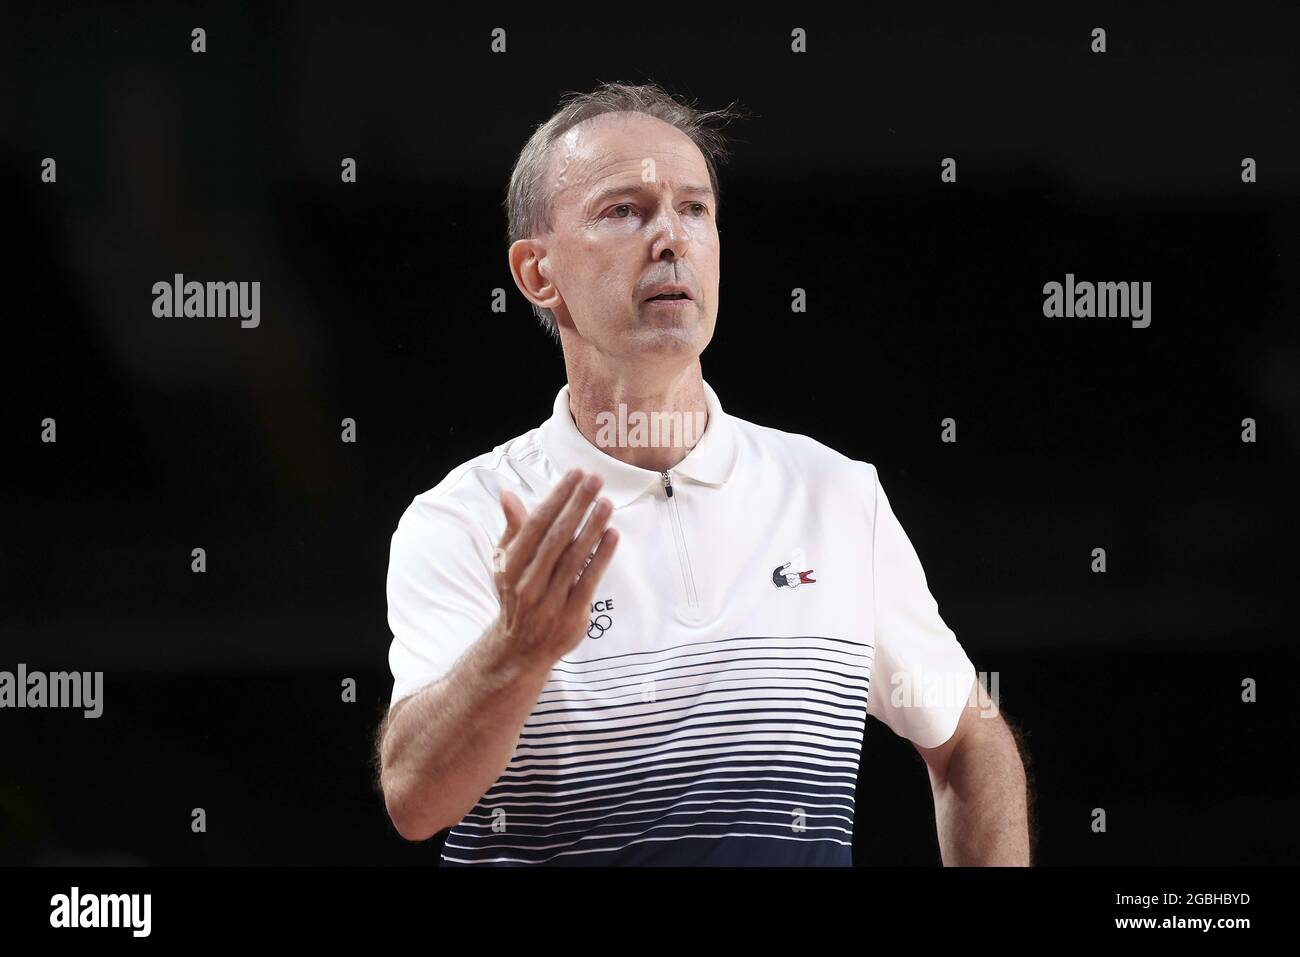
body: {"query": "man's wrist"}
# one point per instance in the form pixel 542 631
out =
pixel 507 662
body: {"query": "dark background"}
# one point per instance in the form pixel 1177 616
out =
pixel 222 690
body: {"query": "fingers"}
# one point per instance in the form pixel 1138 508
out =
pixel 524 544
pixel 551 567
pixel 580 597
pixel 573 558
pixel 559 536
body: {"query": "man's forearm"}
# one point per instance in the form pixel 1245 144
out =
pixel 981 805
pixel 448 743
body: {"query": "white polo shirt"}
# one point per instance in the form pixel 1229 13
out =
pixel 714 713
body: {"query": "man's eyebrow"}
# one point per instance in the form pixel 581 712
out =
pixel 612 191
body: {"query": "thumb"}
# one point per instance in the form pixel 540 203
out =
pixel 516 514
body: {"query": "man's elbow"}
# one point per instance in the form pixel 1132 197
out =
pixel 407 810
pixel 407 820
pixel 976 738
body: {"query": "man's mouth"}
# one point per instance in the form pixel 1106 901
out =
pixel 668 295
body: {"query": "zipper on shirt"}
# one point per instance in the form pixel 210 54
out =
pixel 688 577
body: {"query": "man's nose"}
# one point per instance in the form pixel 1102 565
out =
pixel 670 242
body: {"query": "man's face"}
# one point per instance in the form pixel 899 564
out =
pixel 632 210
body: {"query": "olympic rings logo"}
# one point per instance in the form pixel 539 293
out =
pixel 597 626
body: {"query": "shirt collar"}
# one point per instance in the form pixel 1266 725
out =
pixel 710 462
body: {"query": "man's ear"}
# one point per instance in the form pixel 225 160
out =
pixel 532 273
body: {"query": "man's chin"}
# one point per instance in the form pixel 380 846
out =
pixel 685 336
pixel 687 317
pixel 671 325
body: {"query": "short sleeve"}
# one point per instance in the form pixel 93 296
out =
pixel 441 593
pixel 921 677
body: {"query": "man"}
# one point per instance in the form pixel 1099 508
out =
pixel 608 650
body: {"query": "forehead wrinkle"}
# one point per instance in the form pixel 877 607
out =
pixel 580 164
pixel 600 176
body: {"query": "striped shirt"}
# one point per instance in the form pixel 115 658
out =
pixel 714 712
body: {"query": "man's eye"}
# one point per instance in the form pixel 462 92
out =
pixel 622 206
pixel 701 207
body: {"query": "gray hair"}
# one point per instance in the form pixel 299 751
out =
pixel 528 200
